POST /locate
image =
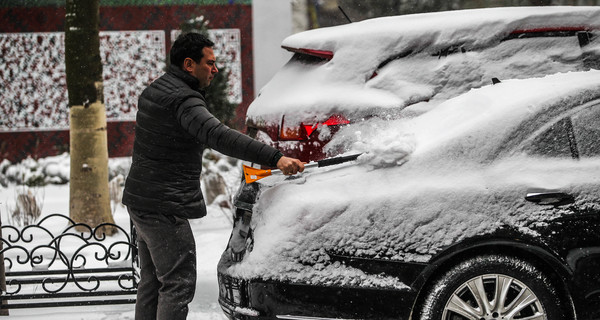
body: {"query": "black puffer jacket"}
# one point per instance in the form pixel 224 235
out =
pixel 172 129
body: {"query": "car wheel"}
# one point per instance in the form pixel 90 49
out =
pixel 492 287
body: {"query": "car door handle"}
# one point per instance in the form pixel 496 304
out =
pixel 548 197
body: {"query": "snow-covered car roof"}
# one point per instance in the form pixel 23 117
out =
pixel 358 49
pixel 437 30
pixel 415 190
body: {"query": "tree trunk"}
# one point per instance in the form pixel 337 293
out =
pixel 89 200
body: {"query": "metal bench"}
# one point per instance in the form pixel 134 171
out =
pixel 69 267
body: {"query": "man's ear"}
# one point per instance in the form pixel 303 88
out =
pixel 188 64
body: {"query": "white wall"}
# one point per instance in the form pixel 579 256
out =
pixel 271 23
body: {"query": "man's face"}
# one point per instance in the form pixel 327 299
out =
pixel 204 70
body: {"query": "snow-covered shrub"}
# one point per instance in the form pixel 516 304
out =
pixel 28 207
pixel 220 178
pixel 4 164
pixel 52 170
pixel 118 167
pixel 115 191
pixel 28 172
pixel 56 169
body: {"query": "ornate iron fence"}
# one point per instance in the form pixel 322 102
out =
pixel 70 268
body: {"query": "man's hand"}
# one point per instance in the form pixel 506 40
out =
pixel 290 166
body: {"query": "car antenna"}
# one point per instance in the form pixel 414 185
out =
pixel 344 13
pixel 495 80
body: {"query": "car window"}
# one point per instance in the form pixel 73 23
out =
pixel 575 136
pixel 446 73
pixel 586 126
pixel 554 142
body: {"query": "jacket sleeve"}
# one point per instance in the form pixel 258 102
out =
pixel 195 118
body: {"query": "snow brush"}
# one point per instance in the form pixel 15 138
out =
pixel 252 174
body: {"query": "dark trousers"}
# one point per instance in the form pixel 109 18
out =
pixel 167 254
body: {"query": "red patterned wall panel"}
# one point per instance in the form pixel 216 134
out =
pixel 18 145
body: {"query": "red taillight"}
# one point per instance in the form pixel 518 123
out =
pixel 327 55
pixel 292 132
pixel 303 131
pixel 336 120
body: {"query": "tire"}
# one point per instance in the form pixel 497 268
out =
pixel 468 291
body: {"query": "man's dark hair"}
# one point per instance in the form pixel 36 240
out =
pixel 189 45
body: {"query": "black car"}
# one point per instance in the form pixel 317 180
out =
pixel 486 207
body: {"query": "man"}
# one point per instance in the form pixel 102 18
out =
pixel 162 190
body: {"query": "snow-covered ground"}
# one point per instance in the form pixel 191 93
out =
pixel 211 233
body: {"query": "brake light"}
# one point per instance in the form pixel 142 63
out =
pixel 336 120
pixel 303 131
pixel 292 132
pixel 323 54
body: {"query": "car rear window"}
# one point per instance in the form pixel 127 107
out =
pixel 308 59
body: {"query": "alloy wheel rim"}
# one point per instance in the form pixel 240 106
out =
pixel 493 297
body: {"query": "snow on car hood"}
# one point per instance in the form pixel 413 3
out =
pixel 343 84
pixel 413 211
